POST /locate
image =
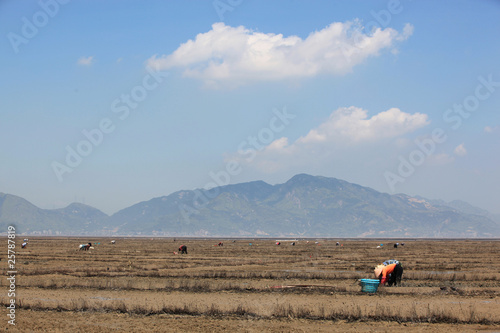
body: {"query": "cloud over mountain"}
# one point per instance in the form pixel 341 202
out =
pixel 346 127
pixel 237 55
pixel 353 125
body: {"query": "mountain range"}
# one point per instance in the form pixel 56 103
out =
pixel 304 206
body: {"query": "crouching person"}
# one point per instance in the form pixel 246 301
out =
pixel 183 249
pixel 390 274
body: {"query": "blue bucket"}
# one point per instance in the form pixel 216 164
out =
pixel 369 285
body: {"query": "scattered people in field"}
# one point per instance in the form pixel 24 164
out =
pixel 278 243
pixel 220 244
pixel 183 249
pixel 26 240
pixel 337 244
pixel 23 245
pixel 293 243
pixel 396 245
pixel 113 242
pixel 389 274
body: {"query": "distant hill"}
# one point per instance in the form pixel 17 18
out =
pixel 465 207
pixel 304 206
pixel 76 219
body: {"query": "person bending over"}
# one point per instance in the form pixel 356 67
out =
pixel 390 274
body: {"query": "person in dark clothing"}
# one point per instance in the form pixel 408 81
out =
pixel 183 249
pixel 395 277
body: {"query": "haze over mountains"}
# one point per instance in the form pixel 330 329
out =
pixel 304 206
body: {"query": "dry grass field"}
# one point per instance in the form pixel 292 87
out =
pixel 140 285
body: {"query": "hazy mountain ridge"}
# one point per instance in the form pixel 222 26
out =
pixel 464 207
pixel 75 219
pixel 304 206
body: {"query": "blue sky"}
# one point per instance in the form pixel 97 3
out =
pixel 400 96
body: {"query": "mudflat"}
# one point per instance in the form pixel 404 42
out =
pixel 251 285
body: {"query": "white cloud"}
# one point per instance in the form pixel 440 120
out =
pixel 236 55
pixel 402 142
pixel 407 32
pixel 344 129
pixel 460 150
pixel 489 129
pixel 353 125
pixel 86 61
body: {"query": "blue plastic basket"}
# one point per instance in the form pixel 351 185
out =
pixel 369 285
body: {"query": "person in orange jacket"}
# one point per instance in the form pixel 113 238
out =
pixel 390 274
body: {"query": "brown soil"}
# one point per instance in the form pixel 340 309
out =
pixel 140 285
